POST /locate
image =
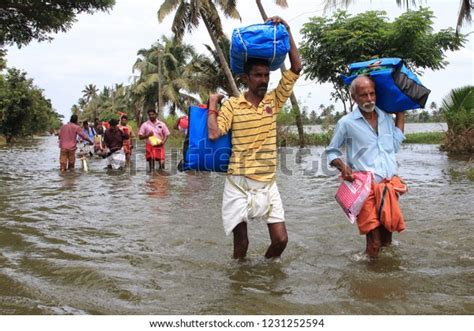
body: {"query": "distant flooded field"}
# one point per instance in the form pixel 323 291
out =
pixel 134 243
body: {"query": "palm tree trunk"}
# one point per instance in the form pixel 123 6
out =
pixel 294 102
pixel 160 94
pixel 223 61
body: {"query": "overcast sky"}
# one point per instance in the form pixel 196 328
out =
pixel 101 49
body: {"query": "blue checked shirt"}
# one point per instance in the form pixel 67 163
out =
pixel 365 149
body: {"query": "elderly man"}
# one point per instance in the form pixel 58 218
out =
pixel 371 138
pixel 251 173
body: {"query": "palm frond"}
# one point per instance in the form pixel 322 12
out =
pixel 332 4
pixel 464 14
pixel 212 20
pixel 281 3
pixel 180 21
pixel 406 3
pixel 229 8
pixel 458 108
pixel 166 8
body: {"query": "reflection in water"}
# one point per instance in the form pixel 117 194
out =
pixel 261 276
pixel 132 242
pixel 157 185
pixel 69 179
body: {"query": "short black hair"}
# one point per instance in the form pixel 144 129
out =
pixel 151 110
pixel 251 62
pixel 124 116
pixel 73 119
pixel 113 122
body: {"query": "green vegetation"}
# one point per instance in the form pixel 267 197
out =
pixel 168 74
pixel 24 110
pixel 470 173
pixel 459 174
pixel 311 139
pixel 424 138
pixel 27 20
pixel 458 109
pixel 286 138
pixel 330 44
pixel 464 14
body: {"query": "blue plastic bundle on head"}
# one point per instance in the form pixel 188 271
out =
pixel 397 88
pixel 263 41
pixel 199 152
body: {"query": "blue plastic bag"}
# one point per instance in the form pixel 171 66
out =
pixel 264 41
pixel 397 88
pixel 200 153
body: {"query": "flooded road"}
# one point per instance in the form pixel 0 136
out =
pixel 134 243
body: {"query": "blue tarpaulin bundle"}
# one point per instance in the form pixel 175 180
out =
pixel 264 41
pixel 397 88
pixel 200 153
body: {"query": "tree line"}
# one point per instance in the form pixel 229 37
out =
pixel 24 110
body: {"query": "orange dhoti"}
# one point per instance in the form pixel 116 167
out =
pixel 382 208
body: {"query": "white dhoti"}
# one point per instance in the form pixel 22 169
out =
pixel 245 199
pixel 117 159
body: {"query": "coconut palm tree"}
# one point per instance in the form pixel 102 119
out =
pixel 464 14
pixel 163 76
pixel 188 15
pixel 89 92
pixel 177 83
pixel 75 110
pixel 207 74
pixel 148 83
pixel 294 102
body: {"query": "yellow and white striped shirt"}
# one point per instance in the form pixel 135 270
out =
pixel 254 131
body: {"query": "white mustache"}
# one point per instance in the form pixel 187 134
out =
pixel 368 107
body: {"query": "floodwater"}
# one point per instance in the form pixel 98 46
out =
pixel 130 242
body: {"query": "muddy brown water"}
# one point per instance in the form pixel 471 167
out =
pixel 130 242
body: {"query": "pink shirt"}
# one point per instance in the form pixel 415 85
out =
pixel 68 135
pixel 159 129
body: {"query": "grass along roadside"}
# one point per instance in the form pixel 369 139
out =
pixel 323 139
pixel 424 138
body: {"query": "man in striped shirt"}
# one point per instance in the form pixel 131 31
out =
pixel 250 190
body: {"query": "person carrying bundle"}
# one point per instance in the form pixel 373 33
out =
pixel 155 133
pixel 371 138
pixel 250 190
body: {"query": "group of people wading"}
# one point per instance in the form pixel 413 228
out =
pixel 371 138
pixel 113 140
